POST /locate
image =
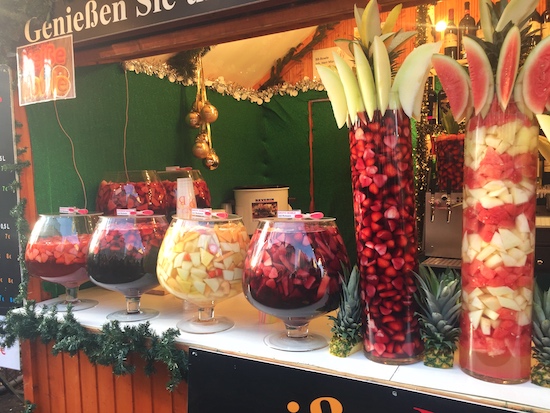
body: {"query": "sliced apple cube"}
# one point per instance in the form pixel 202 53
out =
pixel 508 303
pixel 522 224
pixel 475 317
pixel 238 273
pixel 485 325
pixel 206 257
pixel 493 315
pixel 486 252
pixel 198 272
pixel 195 258
pixel 475 304
pixel 509 239
pixel 183 273
pixel 199 286
pixel 229 275
pixel 500 291
pixel 213 283
pixel 490 302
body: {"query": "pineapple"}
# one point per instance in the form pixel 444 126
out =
pixel 346 331
pixel 439 300
pixel 540 373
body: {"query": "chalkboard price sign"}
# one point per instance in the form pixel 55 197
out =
pixel 10 272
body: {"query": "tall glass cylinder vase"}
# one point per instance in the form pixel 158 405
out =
pixel 500 158
pixel 385 227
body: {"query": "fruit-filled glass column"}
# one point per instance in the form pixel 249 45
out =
pixel 385 227
pixel 498 244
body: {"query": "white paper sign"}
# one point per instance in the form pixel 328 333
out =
pixel 324 57
pixel 10 357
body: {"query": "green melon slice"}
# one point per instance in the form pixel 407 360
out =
pixel 365 79
pixel 485 7
pixel 411 78
pixel 389 24
pixel 351 88
pixel 370 21
pixel 336 94
pixel 455 82
pixel 536 77
pixel 481 74
pixel 516 11
pixel 508 64
pixel 382 72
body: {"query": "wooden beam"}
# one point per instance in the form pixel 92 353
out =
pixel 248 24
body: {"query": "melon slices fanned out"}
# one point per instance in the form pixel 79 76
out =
pixel 410 79
pixel 508 64
pixel 485 7
pixel 516 11
pixel 351 88
pixel 389 24
pixel 370 21
pixel 382 72
pixel 365 79
pixel 335 92
pixel 536 77
pixel 481 74
pixel 455 82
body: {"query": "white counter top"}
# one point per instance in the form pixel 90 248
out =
pixel 245 339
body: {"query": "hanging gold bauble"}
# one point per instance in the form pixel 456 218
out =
pixel 201 150
pixel 193 119
pixel 209 113
pixel 203 137
pixel 211 161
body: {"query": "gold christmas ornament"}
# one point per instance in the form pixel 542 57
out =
pixel 211 161
pixel 209 113
pixel 193 119
pixel 201 150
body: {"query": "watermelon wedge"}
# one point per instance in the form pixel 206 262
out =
pixel 508 64
pixel 536 77
pixel 455 82
pixel 481 74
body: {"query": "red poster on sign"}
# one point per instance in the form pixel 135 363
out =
pixel 45 71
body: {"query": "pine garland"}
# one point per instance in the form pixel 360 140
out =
pixel 112 346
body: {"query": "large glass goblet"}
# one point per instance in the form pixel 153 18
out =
pixel 293 271
pixel 56 252
pixel 140 190
pixel 170 181
pixel 201 261
pixel 123 257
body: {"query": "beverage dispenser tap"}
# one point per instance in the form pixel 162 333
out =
pixel 449 206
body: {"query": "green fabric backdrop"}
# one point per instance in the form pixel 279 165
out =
pixel 257 144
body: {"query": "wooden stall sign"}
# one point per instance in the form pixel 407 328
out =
pixel 102 19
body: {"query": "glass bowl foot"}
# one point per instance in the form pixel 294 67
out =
pixel 213 325
pixel 62 306
pixel 281 341
pixel 124 316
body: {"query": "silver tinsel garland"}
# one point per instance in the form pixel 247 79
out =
pixel 161 70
